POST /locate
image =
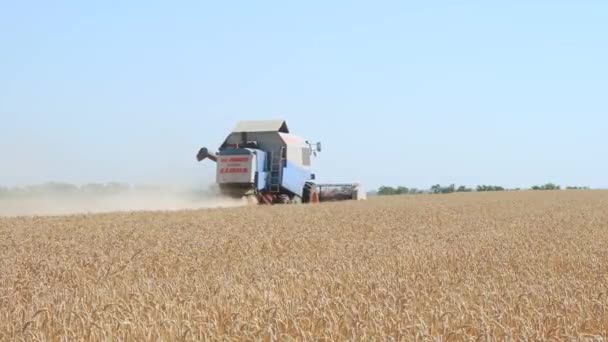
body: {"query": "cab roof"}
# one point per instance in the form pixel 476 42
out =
pixel 261 126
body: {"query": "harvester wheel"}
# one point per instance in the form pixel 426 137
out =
pixel 252 199
pixel 314 197
pixel 311 193
pixel 284 199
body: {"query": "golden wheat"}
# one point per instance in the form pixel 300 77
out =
pixel 495 266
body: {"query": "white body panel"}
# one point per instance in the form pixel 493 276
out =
pixel 298 152
pixel 236 169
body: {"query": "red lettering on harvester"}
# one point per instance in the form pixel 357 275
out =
pixel 234 170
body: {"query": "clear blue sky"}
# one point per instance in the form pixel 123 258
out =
pixel 405 92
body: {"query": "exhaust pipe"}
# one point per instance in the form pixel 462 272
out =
pixel 203 153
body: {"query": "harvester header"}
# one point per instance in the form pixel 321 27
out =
pixel 263 160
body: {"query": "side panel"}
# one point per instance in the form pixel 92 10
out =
pixel 298 152
pixel 294 178
pixel 236 169
pixel 261 169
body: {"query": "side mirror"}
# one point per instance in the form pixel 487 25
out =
pixel 313 176
pixel 319 147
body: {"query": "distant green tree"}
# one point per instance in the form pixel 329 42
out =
pixel 386 190
pixel 482 188
pixel 451 188
pixel 548 186
pixel 439 189
pixel 463 188
pixel 401 190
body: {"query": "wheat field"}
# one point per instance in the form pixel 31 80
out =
pixel 489 266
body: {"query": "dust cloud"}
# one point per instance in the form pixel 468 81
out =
pixel 45 200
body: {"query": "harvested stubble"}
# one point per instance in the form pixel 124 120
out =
pixel 525 265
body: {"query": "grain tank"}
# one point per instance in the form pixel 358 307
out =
pixel 264 161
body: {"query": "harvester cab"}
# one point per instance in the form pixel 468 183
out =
pixel 262 160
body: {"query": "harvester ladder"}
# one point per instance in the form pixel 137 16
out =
pixel 276 170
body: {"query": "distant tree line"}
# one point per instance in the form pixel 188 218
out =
pixel 400 190
pixel 91 189
pixel 490 188
pixel 55 188
pixel 113 188
pixel 548 186
pixel 441 189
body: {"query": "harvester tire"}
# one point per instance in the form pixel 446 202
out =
pixel 311 194
pixel 251 200
pixel 314 197
pixel 284 199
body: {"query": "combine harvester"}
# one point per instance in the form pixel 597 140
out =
pixel 263 162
